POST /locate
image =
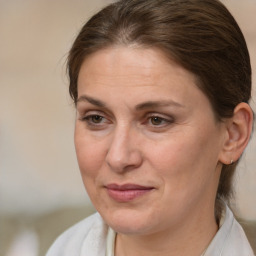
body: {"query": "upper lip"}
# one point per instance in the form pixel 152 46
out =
pixel 128 186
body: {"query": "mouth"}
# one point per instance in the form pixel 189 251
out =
pixel 127 192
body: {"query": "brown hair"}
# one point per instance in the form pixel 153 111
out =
pixel 200 35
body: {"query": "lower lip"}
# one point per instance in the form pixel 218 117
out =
pixel 127 195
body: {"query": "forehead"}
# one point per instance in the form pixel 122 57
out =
pixel 136 66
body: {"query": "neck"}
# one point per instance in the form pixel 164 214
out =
pixel 185 239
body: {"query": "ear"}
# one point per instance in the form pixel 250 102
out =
pixel 238 132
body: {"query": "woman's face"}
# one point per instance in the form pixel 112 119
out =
pixel 147 142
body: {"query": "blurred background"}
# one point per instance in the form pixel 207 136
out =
pixel 41 192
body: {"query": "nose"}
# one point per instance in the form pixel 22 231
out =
pixel 124 152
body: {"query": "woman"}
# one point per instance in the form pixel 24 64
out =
pixel 161 90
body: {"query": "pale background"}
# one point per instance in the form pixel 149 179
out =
pixel 38 169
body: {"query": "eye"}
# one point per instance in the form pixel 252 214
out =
pixel 95 119
pixel 156 120
pixel 92 118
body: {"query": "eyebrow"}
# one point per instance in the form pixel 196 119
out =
pixel 141 106
pixel 91 100
pixel 157 104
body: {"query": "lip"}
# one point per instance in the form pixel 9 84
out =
pixel 127 192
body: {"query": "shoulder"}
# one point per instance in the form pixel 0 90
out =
pixel 88 235
pixel 230 239
pixel 237 243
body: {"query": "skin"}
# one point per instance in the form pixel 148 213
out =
pixel 142 120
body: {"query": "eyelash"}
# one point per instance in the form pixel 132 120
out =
pixel 163 121
pixel 89 119
pixel 149 119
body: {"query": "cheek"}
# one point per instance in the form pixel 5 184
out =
pixel 170 154
pixel 90 155
pixel 184 160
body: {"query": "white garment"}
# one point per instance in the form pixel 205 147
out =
pixel 92 237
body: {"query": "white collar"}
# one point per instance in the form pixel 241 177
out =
pixel 110 246
pixel 111 237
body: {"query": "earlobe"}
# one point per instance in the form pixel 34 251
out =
pixel 238 132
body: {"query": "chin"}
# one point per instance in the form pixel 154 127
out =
pixel 127 221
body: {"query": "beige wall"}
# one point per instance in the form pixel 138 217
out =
pixel 38 169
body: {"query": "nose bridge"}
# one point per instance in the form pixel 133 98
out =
pixel 123 152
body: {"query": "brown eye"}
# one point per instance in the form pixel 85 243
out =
pixel 155 120
pixel 96 119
